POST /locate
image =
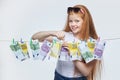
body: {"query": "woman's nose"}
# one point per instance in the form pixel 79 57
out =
pixel 73 23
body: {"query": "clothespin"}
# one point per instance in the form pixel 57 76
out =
pixel 13 41
pixel 54 40
pixel 90 39
pixel 31 44
pixel 30 41
pixel 21 41
pixel 48 57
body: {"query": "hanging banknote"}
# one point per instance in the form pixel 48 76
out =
pixel 15 47
pixel 35 48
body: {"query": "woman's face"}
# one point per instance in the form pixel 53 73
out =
pixel 75 23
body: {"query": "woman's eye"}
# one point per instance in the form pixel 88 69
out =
pixel 77 21
pixel 70 20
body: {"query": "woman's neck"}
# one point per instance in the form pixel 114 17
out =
pixel 78 36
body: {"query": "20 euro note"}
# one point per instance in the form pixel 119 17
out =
pixel 55 48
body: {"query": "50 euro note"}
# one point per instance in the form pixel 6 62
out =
pixel 73 51
pixel 24 48
pixel 55 48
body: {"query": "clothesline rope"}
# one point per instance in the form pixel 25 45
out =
pixel 112 39
pixel 107 39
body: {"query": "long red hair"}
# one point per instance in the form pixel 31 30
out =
pixel 87 30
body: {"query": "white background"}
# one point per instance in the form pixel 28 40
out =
pixel 22 18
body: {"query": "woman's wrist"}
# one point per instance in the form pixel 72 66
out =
pixel 75 61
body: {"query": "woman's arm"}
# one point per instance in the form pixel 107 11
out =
pixel 41 36
pixel 84 68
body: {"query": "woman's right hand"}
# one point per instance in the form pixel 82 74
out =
pixel 60 35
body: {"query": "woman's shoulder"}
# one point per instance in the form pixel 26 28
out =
pixel 69 33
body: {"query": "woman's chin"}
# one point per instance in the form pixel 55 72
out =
pixel 75 32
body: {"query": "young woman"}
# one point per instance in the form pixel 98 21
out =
pixel 79 26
